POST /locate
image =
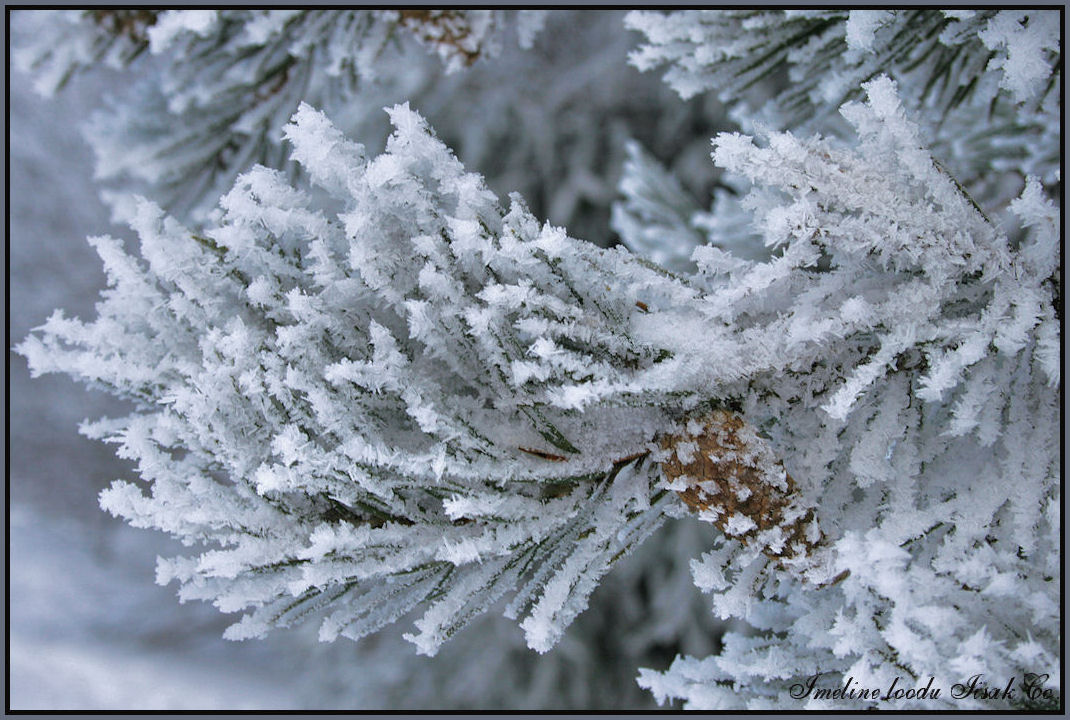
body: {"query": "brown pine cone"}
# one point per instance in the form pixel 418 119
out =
pixel 730 476
pixel 446 30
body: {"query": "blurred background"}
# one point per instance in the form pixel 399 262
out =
pixel 89 627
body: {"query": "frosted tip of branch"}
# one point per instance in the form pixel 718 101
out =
pixel 322 149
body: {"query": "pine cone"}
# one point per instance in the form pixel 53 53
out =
pixel 731 477
pixel 448 31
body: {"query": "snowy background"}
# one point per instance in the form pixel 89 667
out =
pixel 91 630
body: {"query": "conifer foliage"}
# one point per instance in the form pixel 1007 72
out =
pixel 367 385
pixel 226 81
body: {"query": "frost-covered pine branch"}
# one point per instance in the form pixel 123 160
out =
pixel 393 374
pixel 935 457
pixel 955 66
pixel 370 388
pixel 537 144
pixel 226 81
pixel 484 397
pixel 829 53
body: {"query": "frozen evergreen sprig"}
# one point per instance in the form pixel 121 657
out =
pixel 225 81
pixel 539 145
pixel 397 394
pixel 830 53
pixel 375 409
pixel 935 455
pixel 954 68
